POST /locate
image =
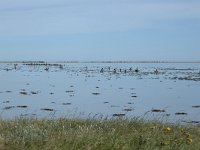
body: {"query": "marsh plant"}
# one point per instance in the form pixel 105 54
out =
pixel 92 133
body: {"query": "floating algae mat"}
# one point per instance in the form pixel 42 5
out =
pixel 156 90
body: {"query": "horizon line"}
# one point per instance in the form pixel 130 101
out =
pixel 107 61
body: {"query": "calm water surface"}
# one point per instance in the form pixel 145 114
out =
pixel 85 89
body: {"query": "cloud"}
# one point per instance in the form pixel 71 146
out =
pixel 51 17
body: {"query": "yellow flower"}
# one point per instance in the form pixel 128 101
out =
pixel 167 129
pixel 189 140
pixel 165 143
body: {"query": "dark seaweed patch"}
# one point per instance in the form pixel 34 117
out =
pixel 32 92
pixel 118 115
pixel 133 93
pixel 8 107
pixel 196 106
pixel 180 113
pixel 130 103
pixel 69 91
pixel 158 110
pixel 96 93
pixel 47 109
pixel 23 106
pixel 134 96
pixel 24 93
pixel 66 103
pixel 128 109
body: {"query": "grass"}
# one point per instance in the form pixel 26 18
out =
pixel 95 134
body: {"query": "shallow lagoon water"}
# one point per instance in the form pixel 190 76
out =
pixel 83 89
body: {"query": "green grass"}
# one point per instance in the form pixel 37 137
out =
pixel 95 134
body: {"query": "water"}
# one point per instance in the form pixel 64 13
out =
pixel 81 89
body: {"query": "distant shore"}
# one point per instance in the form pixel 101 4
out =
pixel 99 61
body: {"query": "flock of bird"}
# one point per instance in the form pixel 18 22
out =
pixel 124 70
pixel 61 66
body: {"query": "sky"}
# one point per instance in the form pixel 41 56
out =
pixel 100 30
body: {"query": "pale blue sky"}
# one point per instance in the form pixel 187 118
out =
pixel 100 30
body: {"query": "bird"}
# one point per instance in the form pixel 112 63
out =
pixel 136 70
pixel 47 69
pixel 156 71
pixel 115 70
pixel 101 70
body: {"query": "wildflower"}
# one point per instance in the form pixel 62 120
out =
pixel 165 143
pixel 167 129
pixel 189 140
